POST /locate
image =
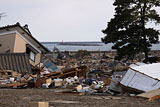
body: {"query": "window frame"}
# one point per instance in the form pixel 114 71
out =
pixel 34 57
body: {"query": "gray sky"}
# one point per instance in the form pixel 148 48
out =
pixel 57 20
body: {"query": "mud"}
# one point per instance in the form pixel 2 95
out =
pixel 22 98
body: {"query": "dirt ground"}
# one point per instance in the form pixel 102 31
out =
pixel 23 97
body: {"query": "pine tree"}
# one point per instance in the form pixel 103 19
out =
pixel 128 29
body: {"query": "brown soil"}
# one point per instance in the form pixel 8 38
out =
pixel 22 98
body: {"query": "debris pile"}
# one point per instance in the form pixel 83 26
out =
pixel 87 75
pixel 9 78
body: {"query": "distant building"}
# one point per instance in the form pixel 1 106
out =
pixel 18 39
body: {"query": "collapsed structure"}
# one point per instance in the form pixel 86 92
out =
pixel 18 39
pixel 142 78
pixel 18 62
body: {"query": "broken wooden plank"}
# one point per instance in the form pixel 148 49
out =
pixel 150 94
pixel 16 84
pixel 13 85
pixel 68 92
pixel 154 98
pixel 65 102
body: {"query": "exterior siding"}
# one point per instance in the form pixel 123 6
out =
pixel 20 45
pixel 7 43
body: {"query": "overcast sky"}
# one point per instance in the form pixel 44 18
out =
pixel 57 20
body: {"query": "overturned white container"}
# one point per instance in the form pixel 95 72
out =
pixel 143 78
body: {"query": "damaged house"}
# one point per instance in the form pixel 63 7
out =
pixel 142 78
pixel 18 40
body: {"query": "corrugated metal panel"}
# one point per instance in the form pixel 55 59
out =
pixel 18 62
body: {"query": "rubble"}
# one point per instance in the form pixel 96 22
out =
pixel 96 75
pixel 84 73
pixel 9 78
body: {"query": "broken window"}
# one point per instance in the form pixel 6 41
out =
pixel 31 52
pixel 32 56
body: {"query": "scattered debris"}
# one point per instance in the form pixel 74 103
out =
pixel 109 77
pixel 74 73
pixel 83 72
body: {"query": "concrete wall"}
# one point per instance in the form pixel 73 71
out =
pixel 7 42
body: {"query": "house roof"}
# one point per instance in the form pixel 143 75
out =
pixel 26 33
pixel 18 62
